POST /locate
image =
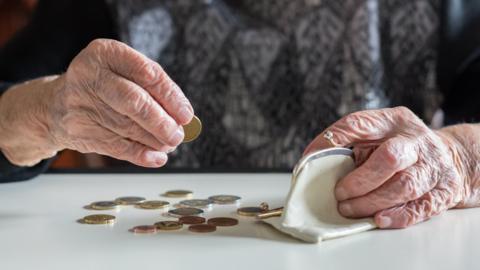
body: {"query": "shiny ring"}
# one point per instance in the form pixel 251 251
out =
pixel 328 135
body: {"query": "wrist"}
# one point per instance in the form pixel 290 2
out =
pixel 463 146
pixel 25 122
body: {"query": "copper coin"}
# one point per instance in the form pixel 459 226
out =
pixel 191 220
pixel 202 228
pixel 222 221
pixel 144 229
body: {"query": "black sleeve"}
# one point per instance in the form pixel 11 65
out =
pixel 56 33
pixel 458 73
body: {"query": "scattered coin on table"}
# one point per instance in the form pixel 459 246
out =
pixel 153 204
pixel 129 200
pixel 144 229
pixel 192 130
pixel 202 228
pixel 178 193
pixel 222 221
pixel 225 199
pixel 186 211
pixel 190 220
pixel 250 211
pixel 196 203
pixel 168 225
pixel 98 219
pixel 103 205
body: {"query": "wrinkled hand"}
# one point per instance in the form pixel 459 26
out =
pixel 114 101
pixel 406 173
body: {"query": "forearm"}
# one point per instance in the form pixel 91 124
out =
pixel 24 123
pixel 467 156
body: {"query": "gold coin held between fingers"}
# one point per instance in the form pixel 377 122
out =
pixel 99 219
pixel 192 130
pixel 178 193
pixel 103 205
pixel 129 200
pixel 153 204
pixel 168 225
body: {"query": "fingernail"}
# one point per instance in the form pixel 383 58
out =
pixel 341 194
pixel 176 137
pixel 185 114
pixel 345 209
pixel 384 222
pixel 158 158
pixel 171 150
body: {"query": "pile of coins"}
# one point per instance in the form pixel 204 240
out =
pixel 187 212
pixel 196 224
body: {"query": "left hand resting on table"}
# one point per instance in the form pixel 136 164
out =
pixel 406 172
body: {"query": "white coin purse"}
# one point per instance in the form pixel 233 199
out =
pixel 310 213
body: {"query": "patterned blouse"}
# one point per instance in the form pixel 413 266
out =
pixel 266 76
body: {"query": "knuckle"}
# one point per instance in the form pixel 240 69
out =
pixel 390 154
pixel 408 186
pixel 119 148
pixel 145 68
pixel 138 104
pixel 132 131
pixel 99 45
pixel 352 121
pixel 165 126
pixel 170 92
pixel 403 110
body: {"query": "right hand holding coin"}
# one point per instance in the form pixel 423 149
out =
pixel 112 100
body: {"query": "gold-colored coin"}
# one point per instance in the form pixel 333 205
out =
pixel 153 204
pixel 192 130
pixel 129 200
pixel 168 225
pixel 103 205
pixel 178 193
pixel 187 211
pixel 99 219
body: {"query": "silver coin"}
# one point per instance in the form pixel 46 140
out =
pixel 187 211
pixel 225 199
pixel 196 203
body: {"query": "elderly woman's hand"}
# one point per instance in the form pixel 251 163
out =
pixel 112 100
pixel 406 172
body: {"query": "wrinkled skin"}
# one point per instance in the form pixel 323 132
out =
pixel 406 172
pixel 112 100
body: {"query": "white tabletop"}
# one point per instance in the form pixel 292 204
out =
pixel 38 230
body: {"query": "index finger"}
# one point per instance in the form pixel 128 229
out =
pixel 390 157
pixel 359 127
pixel 136 67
